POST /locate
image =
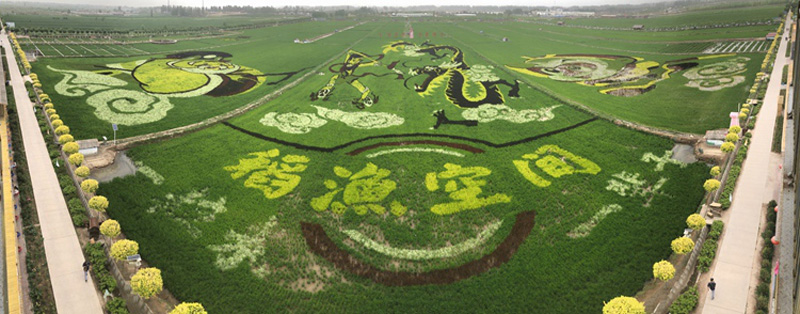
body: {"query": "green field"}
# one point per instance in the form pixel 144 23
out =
pixel 452 172
pixel 268 50
pixel 716 16
pixel 137 23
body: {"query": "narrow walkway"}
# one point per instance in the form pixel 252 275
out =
pixel 738 250
pixel 7 241
pixel 64 254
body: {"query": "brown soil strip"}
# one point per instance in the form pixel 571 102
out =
pixel 321 244
pixel 406 143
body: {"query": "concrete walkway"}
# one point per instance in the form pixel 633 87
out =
pixel 737 252
pixel 64 254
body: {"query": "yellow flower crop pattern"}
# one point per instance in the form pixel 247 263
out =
pixel 556 162
pixel 275 178
pixel 363 192
pixel 465 197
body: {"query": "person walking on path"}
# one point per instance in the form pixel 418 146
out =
pixel 86 266
pixel 712 286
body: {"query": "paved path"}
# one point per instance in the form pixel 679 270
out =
pixel 64 254
pixel 738 250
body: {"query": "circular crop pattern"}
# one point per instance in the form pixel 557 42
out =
pixel 128 107
pixel 716 76
pixel 294 123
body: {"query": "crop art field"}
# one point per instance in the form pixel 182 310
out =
pixel 450 172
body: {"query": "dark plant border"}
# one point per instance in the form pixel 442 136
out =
pixel 453 137
pixel 321 244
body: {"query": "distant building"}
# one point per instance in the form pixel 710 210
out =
pixel 771 36
pixel 11 24
pixel 560 12
pixel 638 27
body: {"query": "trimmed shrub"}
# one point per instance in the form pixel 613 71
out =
pixel 663 270
pixel 188 308
pixel 147 282
pixel 76 159
pixel 57 123
pixel 89 185
pixel 66 138
pixel 70 148
pixel 98 203
pixel 695 221
pixel 121 249
pixel 714 171
pixel 624 305
pixel 62 130
pixel 711 185
pixel 727 147
pixel 732 137
pixel 682 245
pixel 735 128
pixel 110 228
pixel 117 306
pixel 686 302
pixel 82 171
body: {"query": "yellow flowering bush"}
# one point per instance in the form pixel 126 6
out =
pixel 82 171
pixel 50 111
pixel 147 282
pixel 711 185
pixel 624 305
pixel 682 245
pixel 732 137
pixel 727 147
pixel 663 270
pixel 121 249
pixel 70 148
pixel 76 159
pixel 62 130
pixel 57 123
pixel 49 106
pixel 89 185
pixel 745 110
pixel 110 228
pixel 189 308
pixel 55 117
pixel 715 171
pixel 695 221
pixel 98 203
pixel 742 116
pixel 66 138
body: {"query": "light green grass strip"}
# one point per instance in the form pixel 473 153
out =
pixel 425 254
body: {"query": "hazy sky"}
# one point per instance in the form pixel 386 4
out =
pixel 350 2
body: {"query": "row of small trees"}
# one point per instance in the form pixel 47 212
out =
pixel 147 282
pixel 662 270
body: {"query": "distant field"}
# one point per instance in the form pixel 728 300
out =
pixel 762 13
pixel 137 23
pixel 269 50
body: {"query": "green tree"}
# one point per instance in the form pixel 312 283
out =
pixel 711 185
pixel 682 245
pixel 663 270
pixel 624 305
pixel 189 308
pixel 121 249
pixel 147 282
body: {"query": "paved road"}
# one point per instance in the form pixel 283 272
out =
pixel 738 250
pixel 64 255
